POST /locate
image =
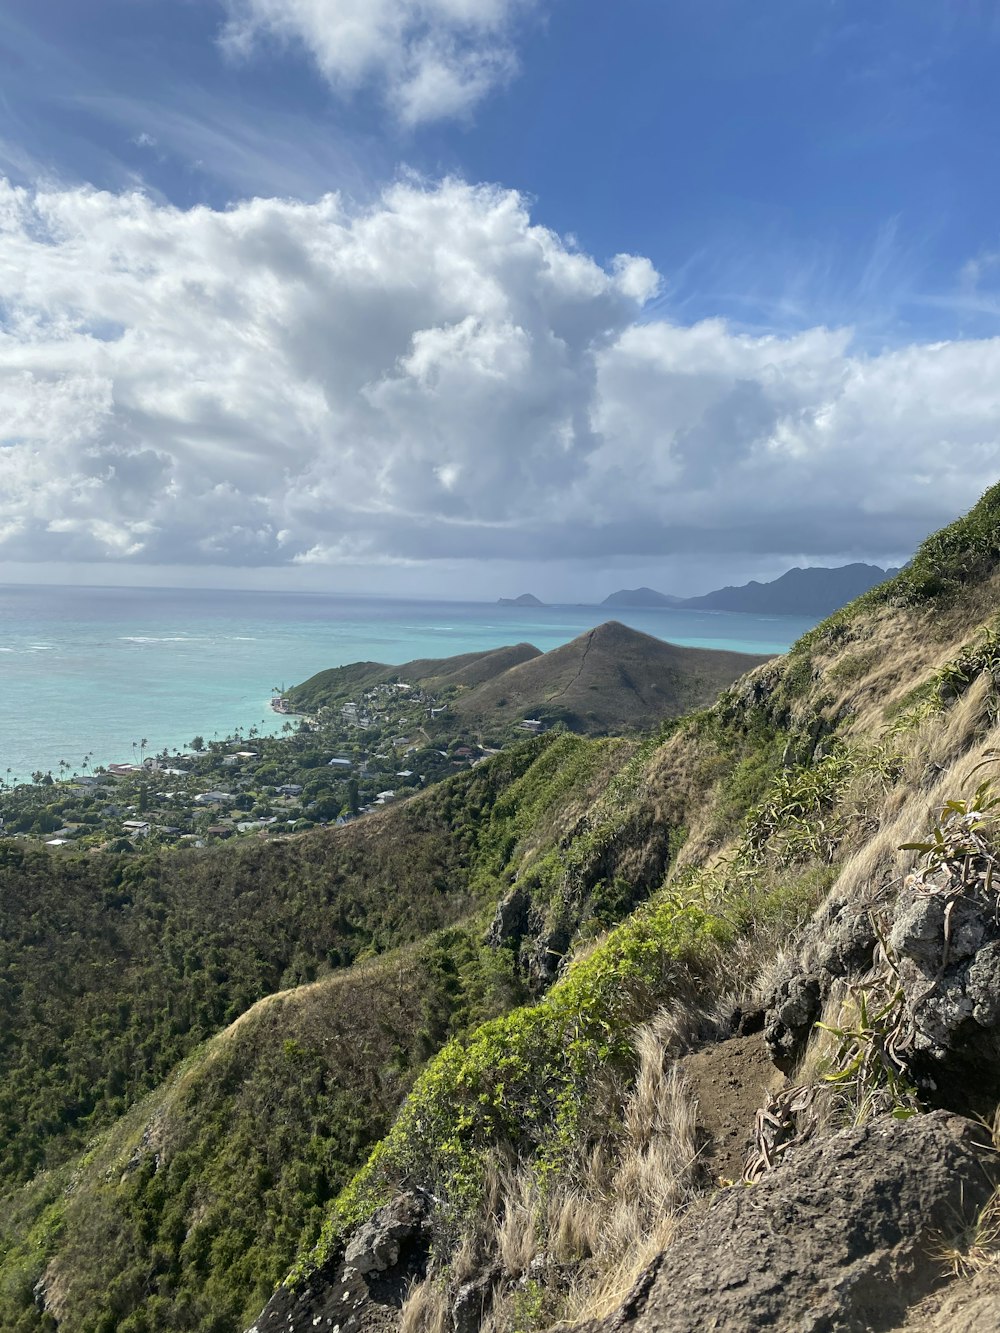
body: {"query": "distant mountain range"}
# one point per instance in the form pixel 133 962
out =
pixel 799 592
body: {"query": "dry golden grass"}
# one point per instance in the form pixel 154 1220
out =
pixel 656 1175
pixel 607 1218
pixel 981 1250
pixel 426 1309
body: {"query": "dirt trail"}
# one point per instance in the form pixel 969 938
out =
pixel 729 1081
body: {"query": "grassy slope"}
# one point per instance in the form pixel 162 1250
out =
pixel 328 688
pixel 814 765
pixel 610 679
pixel 580 826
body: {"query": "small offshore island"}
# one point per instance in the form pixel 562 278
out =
pixel 360 737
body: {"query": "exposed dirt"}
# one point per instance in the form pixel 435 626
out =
pixel 730 1081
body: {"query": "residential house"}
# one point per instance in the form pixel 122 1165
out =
pixel 214 798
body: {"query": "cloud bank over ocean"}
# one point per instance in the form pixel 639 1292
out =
pixel 435 377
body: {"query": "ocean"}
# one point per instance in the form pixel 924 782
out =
pixel 87 673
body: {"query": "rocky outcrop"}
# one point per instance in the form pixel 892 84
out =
pixel 362 1288
pixel 838 943
pixel 948 951
pixel 936 948
pixel 845 1235
pixel 510 924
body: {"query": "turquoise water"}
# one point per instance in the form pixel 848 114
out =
pixel 85 672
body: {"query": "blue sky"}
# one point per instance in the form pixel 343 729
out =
pixel 784 162
pixel 816 178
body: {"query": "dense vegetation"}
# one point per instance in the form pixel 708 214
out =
pixel 116 968
pixel 113 968
pixel 187 1215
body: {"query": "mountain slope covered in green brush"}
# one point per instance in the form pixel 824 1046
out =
pixel 581 1034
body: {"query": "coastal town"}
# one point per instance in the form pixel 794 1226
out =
pixel 331 767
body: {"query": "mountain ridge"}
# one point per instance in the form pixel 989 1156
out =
pixel 609 678
pixel 815 590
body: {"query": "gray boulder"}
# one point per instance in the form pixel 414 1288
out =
pixel 845 1235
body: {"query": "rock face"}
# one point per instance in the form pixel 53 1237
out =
pixel 363 1287
pixel 845 1235
pixel 943 955
pixel 511 921
pixel 948 949
pixel 838 943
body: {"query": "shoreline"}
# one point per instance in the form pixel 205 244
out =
pixel 9 777
pixel 121 666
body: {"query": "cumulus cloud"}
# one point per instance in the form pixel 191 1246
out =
pixel 430 59
pixel 436 377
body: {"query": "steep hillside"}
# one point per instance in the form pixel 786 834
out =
pixel 113 968
pixel 186 1215
pixel 840 815
pixel 610 679
pixel 624 1007
pixel 261 1125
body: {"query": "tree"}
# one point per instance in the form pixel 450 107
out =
pixel 198 744
pixel 326 807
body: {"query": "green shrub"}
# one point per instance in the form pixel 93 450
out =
pixel 525 1081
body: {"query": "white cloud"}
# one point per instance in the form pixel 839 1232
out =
pixel 430 59
pixel 436 378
